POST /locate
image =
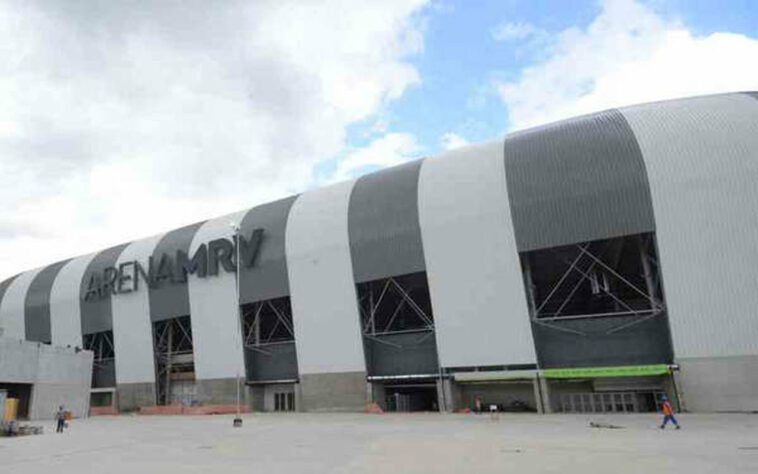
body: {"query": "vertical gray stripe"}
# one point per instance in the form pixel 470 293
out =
pixel 37 304
pixel 577 180
pixel 268 277
pixel 4 287
pixel 171 299
pixel 97 313
pixel 385 237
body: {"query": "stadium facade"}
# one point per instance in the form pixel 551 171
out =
pixel 587 265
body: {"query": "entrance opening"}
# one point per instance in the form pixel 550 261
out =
pixel 611 402
pixel 609 395
pixel 398 325
pixel 411 397
pixel 21 392
pixel 269 340
pixel 174 361
pixel 104 361
pixel 506 396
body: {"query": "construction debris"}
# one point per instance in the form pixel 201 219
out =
pixel 609 426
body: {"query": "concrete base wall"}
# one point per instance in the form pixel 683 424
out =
pixel 131 396
pixel 344 391
pixel 59 376
pixel 221 391
pixel 719 384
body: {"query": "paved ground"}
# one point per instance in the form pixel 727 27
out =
pixel 349 443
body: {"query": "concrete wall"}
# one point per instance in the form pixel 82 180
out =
pixel 221 391
pixel 719 383
pixel 344 391
pixel 60 376
pixel 131 396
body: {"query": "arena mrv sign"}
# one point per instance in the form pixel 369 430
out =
pixel 168 269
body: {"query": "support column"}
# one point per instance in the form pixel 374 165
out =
pixel 547 406
pixel 538 395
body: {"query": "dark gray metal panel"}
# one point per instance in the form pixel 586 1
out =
pixel 4 287
pixel 401 354
pixel 97 313
pixel 648 342
pixel 577 180
pixel 171 299
pixel 383 224
pixel 268 277
pixel 37 304
pixel 278 362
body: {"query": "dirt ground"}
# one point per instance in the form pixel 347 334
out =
pixel 397 443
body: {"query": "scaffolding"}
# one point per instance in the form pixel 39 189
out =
pixel 174 359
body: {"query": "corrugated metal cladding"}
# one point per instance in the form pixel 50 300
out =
pixel 37 305
pixel 324 306
pixel 13 304
pixel 577 180
pixel 268 278
pixel 648 342
pixel 214 310
pixel 97 313
pixel 4 286
pixel 472 263
pixel 132 331
pixel 702 157
pixel 385 237
pixel 65 302
pixel 171 300
pixel 3 290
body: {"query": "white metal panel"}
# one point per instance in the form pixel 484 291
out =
pixel 14 305
pixel 65 302
pixel 213 310
pixel 702 160
pixel 324 306
pixel 132 329
pixel 472 263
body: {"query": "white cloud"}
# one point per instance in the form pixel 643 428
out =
pixel 451 141
pixel 389 150
pixel 512 31
pixel 118 121
pixel 627 55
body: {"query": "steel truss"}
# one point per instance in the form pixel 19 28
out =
pixel 395 305
pixel 267 322
pixel 621 274
pixel 101 344
pixel 174 354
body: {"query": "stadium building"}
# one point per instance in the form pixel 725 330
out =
pixel 589 265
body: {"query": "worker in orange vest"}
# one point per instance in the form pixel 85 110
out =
pixel 668 413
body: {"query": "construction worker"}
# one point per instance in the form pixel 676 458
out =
pixel 60 416
pixel 668 413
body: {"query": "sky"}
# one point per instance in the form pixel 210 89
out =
pixel 122 120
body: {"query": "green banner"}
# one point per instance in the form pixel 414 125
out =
pixel 596 372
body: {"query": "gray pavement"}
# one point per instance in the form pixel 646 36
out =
pixel 350 443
